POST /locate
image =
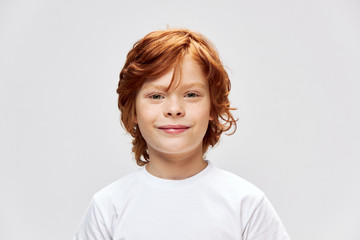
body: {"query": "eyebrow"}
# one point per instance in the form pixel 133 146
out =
pixel 165 87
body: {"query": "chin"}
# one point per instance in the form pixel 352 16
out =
pixel 180 149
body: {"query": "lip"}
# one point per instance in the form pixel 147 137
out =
pixel 173 129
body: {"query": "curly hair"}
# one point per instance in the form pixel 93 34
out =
pixel 153 56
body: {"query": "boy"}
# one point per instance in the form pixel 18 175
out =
pixel 173 97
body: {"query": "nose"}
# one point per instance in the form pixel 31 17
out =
pixel 174 108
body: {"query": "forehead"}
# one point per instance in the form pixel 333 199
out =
pixel 189 73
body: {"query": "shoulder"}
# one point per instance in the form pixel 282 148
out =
pixel 233 182
pixel 235 187
pixel 116 190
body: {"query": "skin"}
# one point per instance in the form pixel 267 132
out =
pixel 174 122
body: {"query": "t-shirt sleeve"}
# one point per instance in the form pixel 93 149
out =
pixel 92 226
pixel 265 224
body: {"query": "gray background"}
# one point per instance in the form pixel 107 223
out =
pixel 294 67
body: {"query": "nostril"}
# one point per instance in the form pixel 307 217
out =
pixel 177 114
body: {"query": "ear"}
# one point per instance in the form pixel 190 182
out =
pixel 133 113
pixel 211 117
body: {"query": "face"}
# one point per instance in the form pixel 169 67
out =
pixel 174 121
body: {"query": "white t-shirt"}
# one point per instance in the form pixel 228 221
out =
pixel 211 205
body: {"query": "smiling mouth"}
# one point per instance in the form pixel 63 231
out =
pixel 174 129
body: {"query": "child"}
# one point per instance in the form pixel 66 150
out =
pixel 173 97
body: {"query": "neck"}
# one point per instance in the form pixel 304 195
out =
pixel 173 166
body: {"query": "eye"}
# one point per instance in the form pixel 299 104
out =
pixel 191 95
pixel 156 96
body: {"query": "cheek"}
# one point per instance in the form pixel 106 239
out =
pixel 140 111
pixel 206 113
pixel 202 114
pixel 145 114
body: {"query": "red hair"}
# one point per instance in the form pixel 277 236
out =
pixel 153 56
